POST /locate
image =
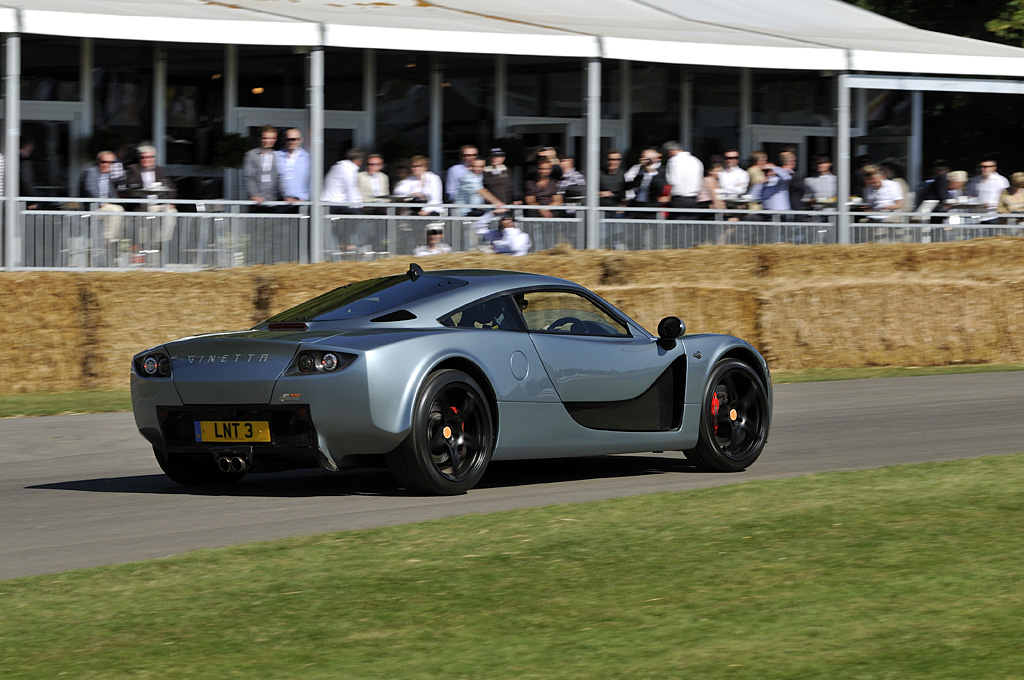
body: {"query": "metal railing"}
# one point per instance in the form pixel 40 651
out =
pixel 78 233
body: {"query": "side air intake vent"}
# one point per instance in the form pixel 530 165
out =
pixel 400 315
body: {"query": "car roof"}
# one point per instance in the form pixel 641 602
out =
pixel 482 283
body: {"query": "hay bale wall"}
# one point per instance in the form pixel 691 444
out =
pixel 821 306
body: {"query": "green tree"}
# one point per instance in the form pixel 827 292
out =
pixel 992 20
pixel 1009 25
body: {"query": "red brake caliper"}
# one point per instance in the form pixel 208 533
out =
pixel 714 410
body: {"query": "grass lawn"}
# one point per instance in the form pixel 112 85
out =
pixel 902 572
pixel 58 403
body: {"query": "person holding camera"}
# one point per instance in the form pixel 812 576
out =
pixel 648 183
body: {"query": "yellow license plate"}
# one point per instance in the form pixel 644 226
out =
pixel 232 431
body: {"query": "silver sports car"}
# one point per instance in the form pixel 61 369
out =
pixel 436 373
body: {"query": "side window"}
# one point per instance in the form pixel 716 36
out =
pixel 494 314
pixel 559 311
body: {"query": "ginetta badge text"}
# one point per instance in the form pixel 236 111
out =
pixel 227 358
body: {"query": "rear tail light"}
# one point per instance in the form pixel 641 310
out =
pixel 154 365
pixel 310 362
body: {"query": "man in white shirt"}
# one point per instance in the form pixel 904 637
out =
pixel 733 180
pixel 510 239
pixel 989 185
pixel 341 185
pixel 685 174
pixel 880 194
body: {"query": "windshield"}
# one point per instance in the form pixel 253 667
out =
pixel 364 298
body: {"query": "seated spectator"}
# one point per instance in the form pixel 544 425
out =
pixel 373 184
pixel 435 244
pixel 510 240
pixel 148 175
pixel 100 182
pixel 880 194
pixel 892 169
pixel 1012 200
pixel 424 186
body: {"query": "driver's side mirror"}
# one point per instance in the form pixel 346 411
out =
pixel 670 329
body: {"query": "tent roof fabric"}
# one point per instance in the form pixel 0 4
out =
pixel 795 34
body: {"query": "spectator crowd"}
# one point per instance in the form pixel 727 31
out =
pixel 668 181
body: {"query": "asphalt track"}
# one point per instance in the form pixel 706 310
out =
pixel 81 491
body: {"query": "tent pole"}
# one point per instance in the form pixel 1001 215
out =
pixel 316 150
pixel 12 91
pixel 593 215
pixel 843 168
pixel 915 160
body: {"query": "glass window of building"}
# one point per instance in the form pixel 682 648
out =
pixel 122 80
pixel 792 98
pixel 195 103
pixel 716 111
pixel 343 79
pixel 611 81
pixel 546 87
pixel 656 106
pixel 403 107
pixel 272 77
pixel 468 90
pixel 50 68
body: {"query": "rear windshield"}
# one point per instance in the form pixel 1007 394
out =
pixel 365 298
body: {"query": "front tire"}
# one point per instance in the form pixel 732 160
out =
pixel 734 419
pixel 190 470
pixel 452 437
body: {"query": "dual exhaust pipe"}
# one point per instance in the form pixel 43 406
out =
pixel 232 464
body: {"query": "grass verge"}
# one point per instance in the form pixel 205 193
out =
pixel 60 403
pixel 901 572
pixel 827 374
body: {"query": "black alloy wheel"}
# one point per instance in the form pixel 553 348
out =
pixel 734 419
pixel 452 437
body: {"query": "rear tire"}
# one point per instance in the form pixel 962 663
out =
pixel 452 437
pixel 734 419
pixel 194 470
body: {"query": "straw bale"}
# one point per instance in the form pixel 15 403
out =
pixel 882 323
pixel 724 310
pixel 42 332
pixel 803 306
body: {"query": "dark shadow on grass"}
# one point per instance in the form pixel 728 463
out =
pixel 378 482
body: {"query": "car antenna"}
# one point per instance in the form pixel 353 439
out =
pixel 415 271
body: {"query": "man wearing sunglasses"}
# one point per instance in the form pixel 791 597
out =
pixel 294 163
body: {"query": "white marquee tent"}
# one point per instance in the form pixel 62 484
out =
pixel 795 34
